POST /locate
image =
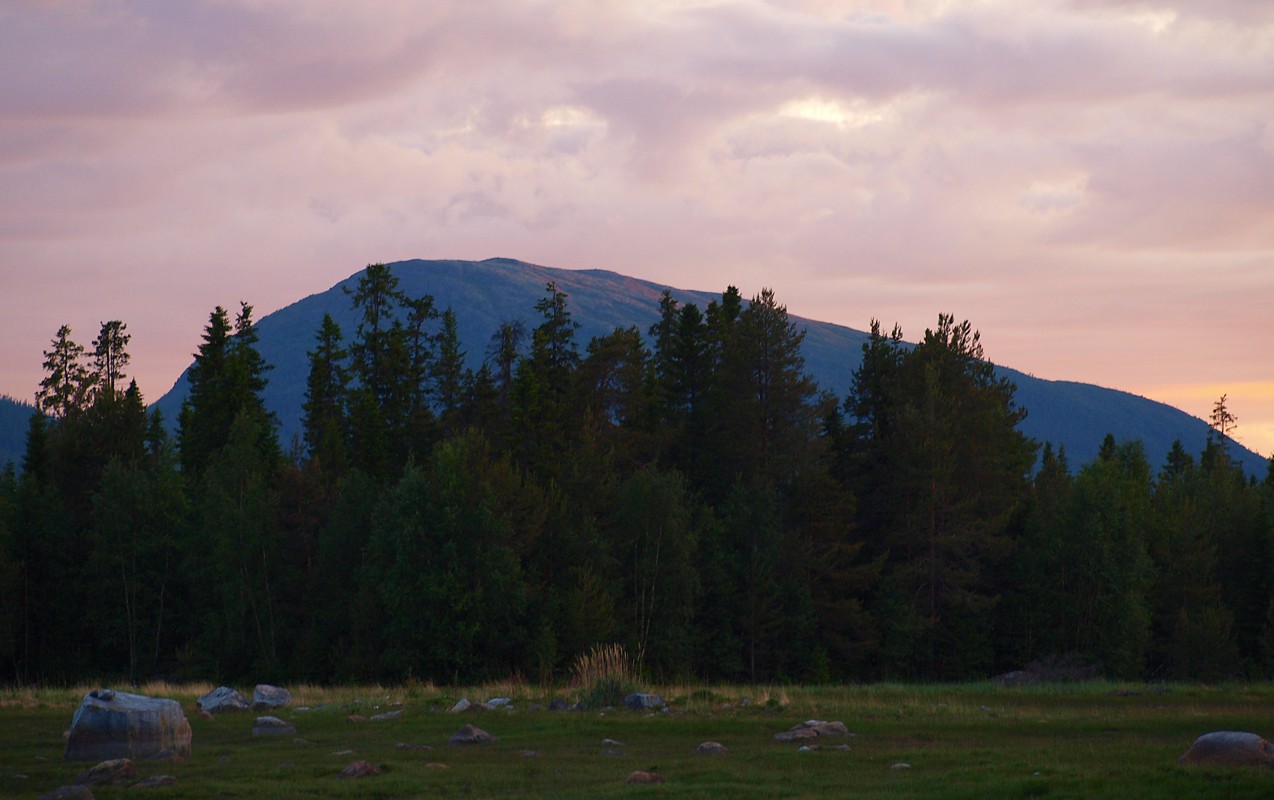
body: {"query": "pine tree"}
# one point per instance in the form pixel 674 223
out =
pixel 67 386
pixel 325 421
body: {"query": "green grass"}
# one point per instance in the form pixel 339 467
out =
pixel 1094 740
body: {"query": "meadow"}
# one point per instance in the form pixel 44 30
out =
pixel 1085 740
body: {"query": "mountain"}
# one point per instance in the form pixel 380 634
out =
pixel 485 294
pixel 14 416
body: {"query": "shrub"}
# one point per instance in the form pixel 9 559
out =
pixel 604 676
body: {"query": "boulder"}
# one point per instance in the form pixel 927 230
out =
pixel 811 729
pixel 116 772
pixel 637 776
pixel 110 725
pixel 641 702
pixel 468 734
pixel 223 698
pixel 267 698
pixel 360 769
pixel 272 726
pixel 1230 749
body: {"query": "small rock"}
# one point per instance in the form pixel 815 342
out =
pixel 558 704
pixel 387 715
pixel 461 706
pixel 272 726
pixel 900 765
pixel 343 753
pixel 74 792
pixel 612 743
pixel 360 769
pixel 418 747
pixel 711 749
pixel 156 782
pixel 530 754
pixel 356 718
pixel 1231 749
pixel 642 702
pixel 637 776
pixel 470 734
pixel 498 702
pixel 115 772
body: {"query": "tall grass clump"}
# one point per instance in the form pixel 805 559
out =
pixel 604 676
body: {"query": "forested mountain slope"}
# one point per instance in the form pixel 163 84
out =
pixel 485 294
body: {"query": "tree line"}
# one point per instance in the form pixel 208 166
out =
pixel 687 491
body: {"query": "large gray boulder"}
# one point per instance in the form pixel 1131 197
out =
pixel 223 698
pixel 267 698
pixel 110 725
pixel 1230 749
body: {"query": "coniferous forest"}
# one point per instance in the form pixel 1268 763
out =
pixel 686 491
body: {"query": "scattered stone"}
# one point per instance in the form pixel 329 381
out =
pixel 156 782
pixel 805 748
pixel 74 792
pixel 900 765
pixel 711 749
pixel 360 769
pixel 272 726
pixel 468 734
pixel 499 702
pixel 406 746
pixel 387 715
pixel 222 699
pixel 612 743
pixel 461 706
pixel 1230 749
pixel 797 734
pixel 343 753
pixel 356 718
pixel 115 772
pixel 642 702
pixel 113 725
pixel 811 729
pixel 267 698
pixel 205 715
pixel 558 704
pixel 637 776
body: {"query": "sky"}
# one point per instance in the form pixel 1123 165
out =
pixel 1089 182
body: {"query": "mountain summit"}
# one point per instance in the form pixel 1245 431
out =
pixel 486 294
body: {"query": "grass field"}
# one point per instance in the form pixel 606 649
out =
pixel 1093 740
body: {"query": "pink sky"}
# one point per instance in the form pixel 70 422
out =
pixel 1090 182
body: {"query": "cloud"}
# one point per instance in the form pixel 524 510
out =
pixel 1066 174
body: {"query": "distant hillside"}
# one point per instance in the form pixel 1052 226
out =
pixel 485 294
pixel 14 416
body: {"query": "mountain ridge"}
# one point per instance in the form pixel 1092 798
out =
pixel 485 294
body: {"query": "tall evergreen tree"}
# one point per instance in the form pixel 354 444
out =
pixel 325 422
pixel 67 384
